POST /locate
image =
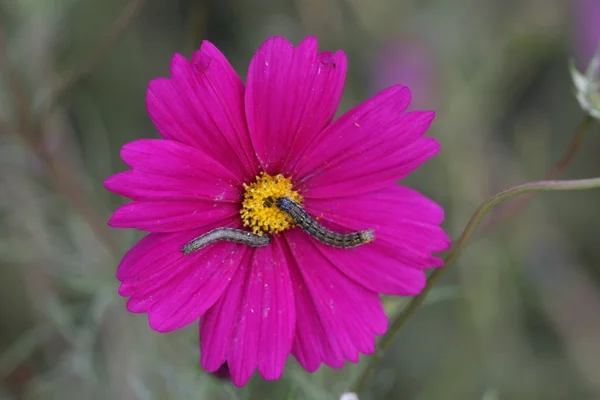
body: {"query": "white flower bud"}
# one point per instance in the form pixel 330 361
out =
pixel 587 85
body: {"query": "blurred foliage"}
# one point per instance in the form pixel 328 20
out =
pixel 516 319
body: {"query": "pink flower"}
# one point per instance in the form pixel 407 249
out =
pixel 228 147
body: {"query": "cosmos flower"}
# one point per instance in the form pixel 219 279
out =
pixel 228 149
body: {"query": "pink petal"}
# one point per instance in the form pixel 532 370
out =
pixel 403 219
pixel 368 148
pixel 292 94
pixel 216 326
pixel 174 289
pixel 167 170
pixel 252 326
pixel 278 310
pixel 407 231
pixel 202 105
pixel 171 216
pixel 336 318
pixel 370 266
pixel 169 158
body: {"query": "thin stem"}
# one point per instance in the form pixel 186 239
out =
pixel 452 256
pixel 561 165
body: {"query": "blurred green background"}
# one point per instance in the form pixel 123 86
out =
pixel 517 318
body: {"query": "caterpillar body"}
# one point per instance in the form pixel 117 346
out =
pixel 228 234
pixel 318 231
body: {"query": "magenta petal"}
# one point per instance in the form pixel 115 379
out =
pixel 167 170
pixel 367 148
pixel 169 158
pixel 385 107
pixel 174 289
pixel 292 94
pixel 264 327
pixel 278 310
pixel 256 305
pixel 252 326
pixel 144 186
pixel 171 216
pixel 202 105
pixel 407 231
pixel 336 318
pixel 216 326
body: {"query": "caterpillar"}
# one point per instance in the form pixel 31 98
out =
pixel 229 234
pixel 318 231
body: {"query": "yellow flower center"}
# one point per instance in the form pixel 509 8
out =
pixel 259 208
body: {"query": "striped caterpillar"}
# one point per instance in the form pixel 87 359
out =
pixel 318 231
pixel 229 234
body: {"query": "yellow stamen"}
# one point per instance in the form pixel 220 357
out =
pixel 259 208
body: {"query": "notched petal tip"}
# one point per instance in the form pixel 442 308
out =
pixel 401 90
pixel 113 222
pixel 134 305
pixel 126 289
pixel 276 41
pixel 240 381
pixel 156 90
pixel 336 61
pixel 325 56
pixel 309 42
pixel 155 87
pixel 272 373
pixel 202 59
pixel 430 147
pixel 340 57
pixel 130 149
pixel 179 65
pixel 428 116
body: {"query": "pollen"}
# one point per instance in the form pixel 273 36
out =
pixel 259 208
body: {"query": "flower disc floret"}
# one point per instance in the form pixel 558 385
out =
pixel 259 208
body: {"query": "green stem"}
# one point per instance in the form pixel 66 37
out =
pixel 459 245
pixel 561 165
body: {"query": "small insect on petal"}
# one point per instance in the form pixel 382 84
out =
pixel 228 234
pixel 318 231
